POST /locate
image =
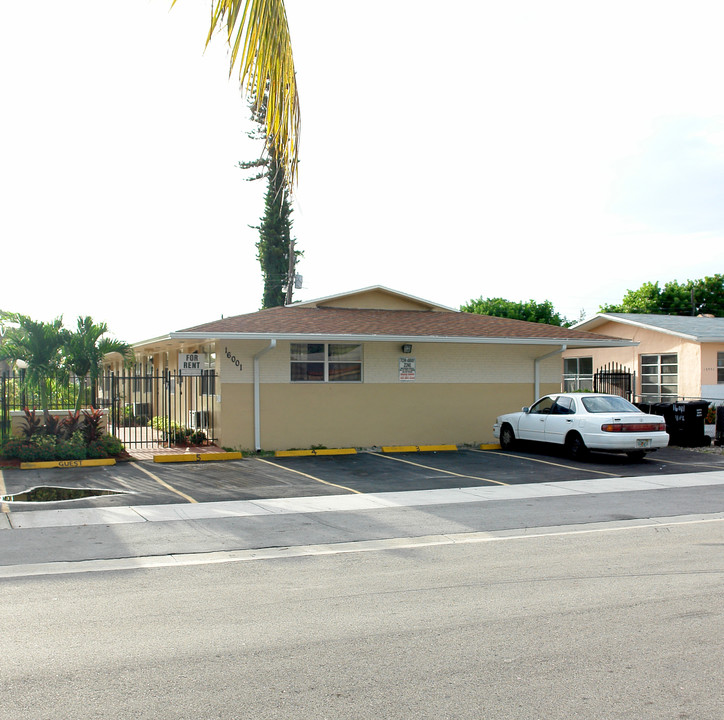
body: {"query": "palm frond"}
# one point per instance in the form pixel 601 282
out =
pixel 257 32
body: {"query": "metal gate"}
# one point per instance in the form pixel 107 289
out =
pixel 159 410
pixel 616 380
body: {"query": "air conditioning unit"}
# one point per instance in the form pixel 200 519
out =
pixel 142 409
pixel 198 419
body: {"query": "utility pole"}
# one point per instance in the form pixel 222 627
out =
pixel 290 272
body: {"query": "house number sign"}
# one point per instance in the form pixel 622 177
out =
pixel 233 359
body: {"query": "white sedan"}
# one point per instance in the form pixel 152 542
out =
pixel 582 422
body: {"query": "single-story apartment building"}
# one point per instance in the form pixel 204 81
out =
pixel 366 368
pixel 673 357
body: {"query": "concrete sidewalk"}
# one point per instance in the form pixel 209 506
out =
pixel 69 517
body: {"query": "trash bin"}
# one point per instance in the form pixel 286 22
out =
pixel 685 422
pixel 719 427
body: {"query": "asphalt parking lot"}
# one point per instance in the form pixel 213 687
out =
pixel 366 472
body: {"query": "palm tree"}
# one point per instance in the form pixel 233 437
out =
pixel 257 32
pixel 85 349
pixel 39 345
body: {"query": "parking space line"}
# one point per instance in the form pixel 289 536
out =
pixel 548 462
pixel 674 462
pixel 446 472
pixel 311 477
pixel 165 484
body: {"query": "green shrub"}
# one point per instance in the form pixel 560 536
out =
pixel 197 437
pixel 13 447
pixel 112 445
pixel 45 447
pixel 96 450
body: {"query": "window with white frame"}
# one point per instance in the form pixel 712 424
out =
pixel 577 374
pixel 660 377
pixel 326 362
pixel 720 368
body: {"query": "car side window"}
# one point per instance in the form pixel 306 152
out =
pixel 564 406
pixel 543 407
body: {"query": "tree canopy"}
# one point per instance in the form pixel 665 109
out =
pixel 531 311
pixel 693 297
pixel 275 248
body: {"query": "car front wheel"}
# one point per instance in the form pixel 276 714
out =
pixel 507 437
pixel 575 447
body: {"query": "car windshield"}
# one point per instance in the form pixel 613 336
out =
pixel 608 403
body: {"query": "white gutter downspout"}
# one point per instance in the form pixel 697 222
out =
pixel 257 420
pixel 536 370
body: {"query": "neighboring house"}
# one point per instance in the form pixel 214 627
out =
pixel 674 357
pixel 367 368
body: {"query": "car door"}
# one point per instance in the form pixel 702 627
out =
pixel 560 421
pixel 532 423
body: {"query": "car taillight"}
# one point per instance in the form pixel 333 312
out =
pixel 633 427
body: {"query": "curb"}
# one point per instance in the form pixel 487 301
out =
pixel 66 463
pixel 320 451
pixel 197 457
pixel 490 446
pixel 418 448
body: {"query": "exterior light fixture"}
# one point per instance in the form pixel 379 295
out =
pixel 407 349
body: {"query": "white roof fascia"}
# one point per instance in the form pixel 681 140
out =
pixel 160 338
pixel 350 293
pixel 322 337
pixel 643 326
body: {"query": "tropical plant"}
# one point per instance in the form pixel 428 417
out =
pixel 92 425
pixel 85 349
pixel 257 33
pixel 39 345
pixel 32 423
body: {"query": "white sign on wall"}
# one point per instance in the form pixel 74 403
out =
pixel 192 363
pixel 407 369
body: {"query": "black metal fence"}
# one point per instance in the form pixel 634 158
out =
pixel 616 380
pixel 151 410
pixel 143 410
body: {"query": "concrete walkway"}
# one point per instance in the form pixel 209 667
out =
pixel 69 517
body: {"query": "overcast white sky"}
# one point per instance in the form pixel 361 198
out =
pixel 564 150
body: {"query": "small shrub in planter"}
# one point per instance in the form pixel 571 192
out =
pixel 13 447
pixel 92 426
pixel 112 445
pixel 32 423
pixel 197 437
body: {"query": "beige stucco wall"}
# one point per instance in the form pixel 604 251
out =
pixel 458 392
pixel 710 388
pixel 650 343
pixel 377 299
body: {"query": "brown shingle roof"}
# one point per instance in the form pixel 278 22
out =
pixel 380 323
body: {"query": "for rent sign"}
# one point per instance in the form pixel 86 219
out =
pixel 191 363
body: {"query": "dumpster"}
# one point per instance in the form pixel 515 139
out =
pixel 685 422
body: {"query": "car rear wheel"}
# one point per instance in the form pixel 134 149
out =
pixel 636 455
pixel 507 437
pixel 575 447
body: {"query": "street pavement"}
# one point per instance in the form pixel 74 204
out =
pixel 74 539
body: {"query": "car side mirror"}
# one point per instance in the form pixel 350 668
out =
pixel 526 409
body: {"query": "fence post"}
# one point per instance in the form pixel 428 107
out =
pixel 4 425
